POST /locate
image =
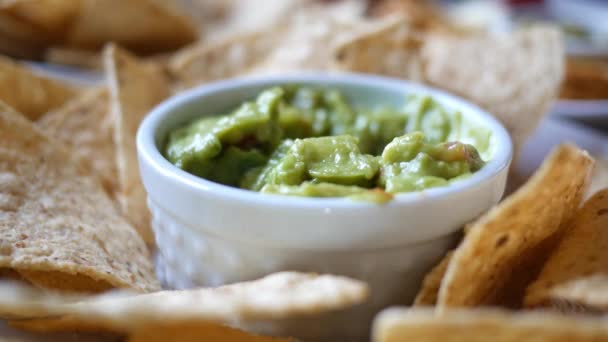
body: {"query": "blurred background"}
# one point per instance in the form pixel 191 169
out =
pixel 63 38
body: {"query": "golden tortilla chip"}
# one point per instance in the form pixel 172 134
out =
pixel 29 93
pixel 427 295
pixel 250 304
pixel 302 39
pixel 85 124
pixel 393 49
pixel 29 42
pixel 504 249
pixel 480 325
pixel 309 39
pixel 74 57
pixel 515 77
pixel 50 16
pixel 144 26
pixel 423 15
pixel 197 331
pixel 186 331
pixel 18 49
pixel 599 178
pixel 56 221
pixel 576 274
pixel 52 324
pixel 228 58
pixel 135 88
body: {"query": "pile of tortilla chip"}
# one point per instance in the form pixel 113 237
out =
pixel 75 240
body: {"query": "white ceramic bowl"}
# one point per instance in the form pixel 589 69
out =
pixel 209 234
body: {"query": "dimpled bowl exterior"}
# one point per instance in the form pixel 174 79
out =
pixel 209 234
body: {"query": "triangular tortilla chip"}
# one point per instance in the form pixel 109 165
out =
pixel 224 59
pixel 144 26
pixel 521 74
pixel 51 17
pixel 427 295
pixel 392 49
pixel 135 88
pixel 29 93
pixel 310 37
pixel 481 325
pixel 197 331
pixel 576 274
pixel 85 124
pixel 57 226
pixel 504 249
pixel 79 58
pixel 302 39
pixel 27 41
pixel 515 77
pixel 250 305
pixel 599 178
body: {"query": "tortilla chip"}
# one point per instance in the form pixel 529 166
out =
pixel 135 88
pixel 504 250
pixel 22 32
pixel 18 49
pixel 56 220
pixel 50 16
pixel 423 15
pixel 187 331
pixel 424 325
pixel 393 49
pixel 85 124
pixel 515 77
pixel 310 36
pixel 599 178
pixel 74 57
pixel 228 58
pixel 253 304
pixel 303 39
pixel 22 300
pixel 144 26
pixel 427 295
pixel 53 324
pixel 29 93
pixel 197 331
pixel 576 274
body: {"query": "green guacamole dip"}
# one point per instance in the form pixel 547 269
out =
pixel 304 141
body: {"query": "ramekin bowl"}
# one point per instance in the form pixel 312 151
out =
pixel 210 234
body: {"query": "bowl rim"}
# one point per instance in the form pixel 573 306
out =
pixel 148 151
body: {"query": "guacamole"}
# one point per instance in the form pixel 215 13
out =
pixel 304 141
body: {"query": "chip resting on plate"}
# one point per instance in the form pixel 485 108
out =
pixel 135 88
pixel 393 49
pixel 253 305
pixel 302 40
pixel 224 59
pixel 521 74
pixel 576 275
pixel 521 77
pixel 427 295
pixel 58 228
pixel 145 26
pixel 50 17
pixel 29 93
pixel 504 250
pixel 84 124
pixel 477 325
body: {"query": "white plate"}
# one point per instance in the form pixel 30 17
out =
pixel 591 112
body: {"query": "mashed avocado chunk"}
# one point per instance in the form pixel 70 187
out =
pixel 303 141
